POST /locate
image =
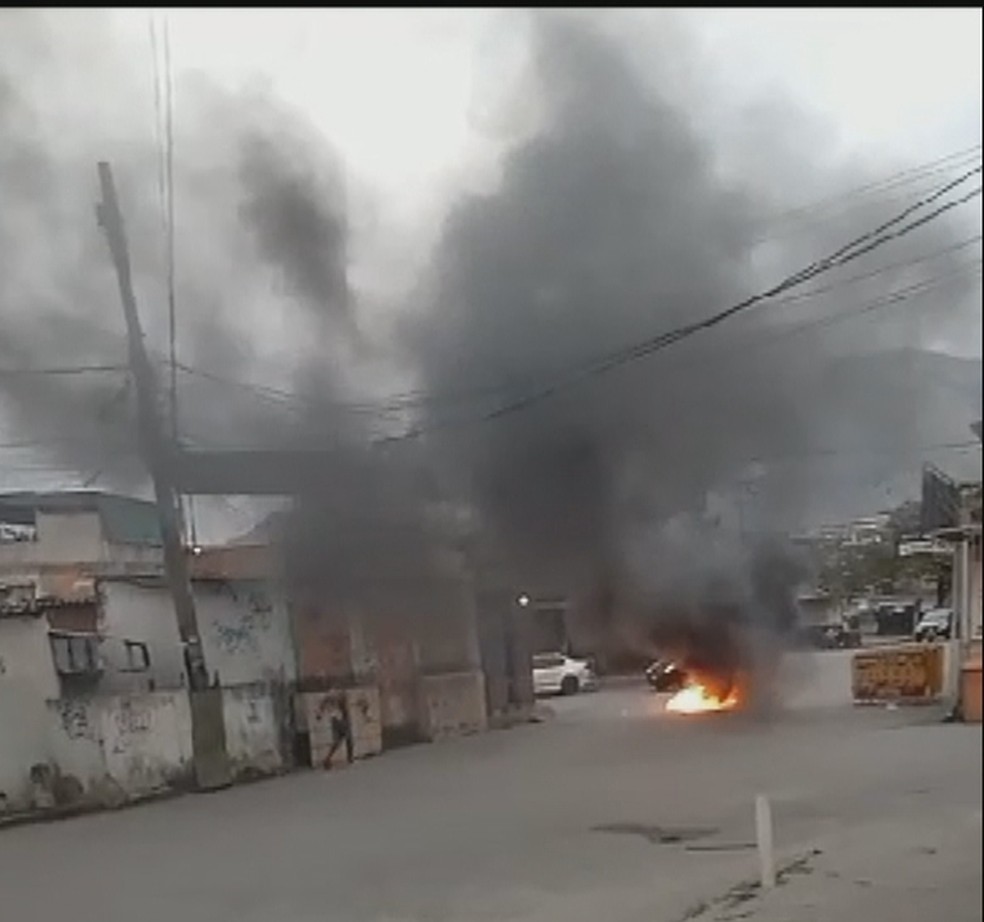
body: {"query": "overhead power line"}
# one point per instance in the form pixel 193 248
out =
pixel 854 250
pixel 854 312
pixel 858 450
pixel 103 409
pixel 536 391
pixel 881 270
pixel 63 370
pixel 906 293
pixel 413 399
pixel 872 239
pixel 416 398
pixel 955 445
pixel 860 246
pixel 903 294
pixel 780 334
pixel 955 160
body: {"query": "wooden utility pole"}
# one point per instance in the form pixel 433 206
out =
pixel 156 451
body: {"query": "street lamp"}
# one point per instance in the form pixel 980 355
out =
pixel 523 600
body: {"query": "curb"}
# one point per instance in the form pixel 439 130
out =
pixel 71 811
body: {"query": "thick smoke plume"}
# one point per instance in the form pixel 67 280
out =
pixel 616 217
pixel 612 223
pixel 260 249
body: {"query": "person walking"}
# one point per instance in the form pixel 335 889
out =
pixel 341 729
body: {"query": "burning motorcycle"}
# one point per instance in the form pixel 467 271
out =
pixel 665 676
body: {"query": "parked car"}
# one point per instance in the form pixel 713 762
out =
pixel 897 619
pixel 665 676
pixel 556 673
pixel 834 636
pixel 936 624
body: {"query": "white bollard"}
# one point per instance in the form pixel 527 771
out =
pixel 763 836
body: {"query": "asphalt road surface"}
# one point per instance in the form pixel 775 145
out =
pixel 611 810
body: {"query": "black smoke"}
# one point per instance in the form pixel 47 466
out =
pixel 611 223
pixel 260 253
pixel 616 216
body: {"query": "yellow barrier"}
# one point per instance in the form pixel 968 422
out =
pixel 903 674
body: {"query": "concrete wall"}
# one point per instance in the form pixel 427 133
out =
pixel 453 704
pixel 396 678
pixel 77 538
pixel 74 751
pixel 140 613
pixel 27 677
pixel 252 730
pixel 68 537
pixel 99 750
pixel 119 747
pixel 246 632
pixel 506 643
pixel 146 740
pixel 25 657
pixel 324 642
pixel 967 585
pixel 447 634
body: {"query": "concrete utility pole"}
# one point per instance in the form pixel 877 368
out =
pixel 157 453
pixel 207 723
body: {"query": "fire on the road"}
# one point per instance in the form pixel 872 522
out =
pixel 697 698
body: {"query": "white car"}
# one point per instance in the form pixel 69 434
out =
pixel 555 673
pixel 935 625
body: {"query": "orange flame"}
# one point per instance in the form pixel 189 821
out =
pixel 698 699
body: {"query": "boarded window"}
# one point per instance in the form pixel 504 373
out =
pixel 75 653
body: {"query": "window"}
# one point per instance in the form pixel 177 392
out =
pixel 547 660
pixel 75 654
pixel 137 656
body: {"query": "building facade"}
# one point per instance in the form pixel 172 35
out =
pixel 94 698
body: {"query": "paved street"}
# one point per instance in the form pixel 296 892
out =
pixel 610 810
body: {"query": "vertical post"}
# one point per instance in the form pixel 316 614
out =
pixel 508 643
pixel 157 453
pixel 763 836
pixel 169 217
pixel 965 589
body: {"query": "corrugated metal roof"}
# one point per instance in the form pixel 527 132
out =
pixel 125 519
pixel 130 521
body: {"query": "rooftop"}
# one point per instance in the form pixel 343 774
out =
pixel 125 519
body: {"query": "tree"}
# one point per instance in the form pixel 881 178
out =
pixel 848 570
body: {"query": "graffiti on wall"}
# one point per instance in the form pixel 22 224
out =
pixel 74 717
pixel 130 720
pixel 254 618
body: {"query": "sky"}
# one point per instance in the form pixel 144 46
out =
pixel 890 84
pixel 421 104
